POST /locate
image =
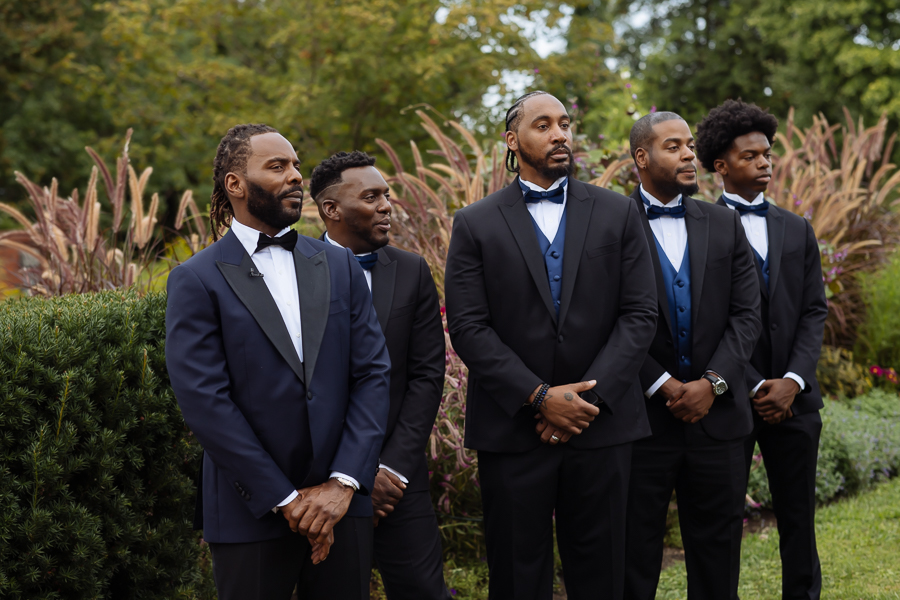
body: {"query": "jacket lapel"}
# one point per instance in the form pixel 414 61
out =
pixel 513 209
pixel 236 267
pixel 314 287
pixel 384 274
pixel 661 295
pixel 578 217
pixel 775 229
pixel 697 223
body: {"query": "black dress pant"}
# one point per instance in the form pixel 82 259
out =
pixel 269 570
pixel 710 480
pixel 408 551
pixel 790 452
pixel 587 490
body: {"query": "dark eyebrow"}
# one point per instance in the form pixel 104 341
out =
pixel 675 139
pixel 279 159
pixel 376 189
pixel 548 118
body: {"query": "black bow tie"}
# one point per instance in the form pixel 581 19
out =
pixel 286 241
pixel 749 209
pixel 655 212
pixel 557 196
pixel 368 261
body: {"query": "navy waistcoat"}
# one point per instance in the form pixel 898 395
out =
pixel 678 294
pixel 553 258
pixel 763 265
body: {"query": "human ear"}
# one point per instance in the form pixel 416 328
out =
pixel 721 167
pixel 512 140
pixel 234 185
pixel 331 210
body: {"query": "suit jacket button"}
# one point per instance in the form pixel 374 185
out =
pixel 560 338
pixel 774 326
pixel 309 395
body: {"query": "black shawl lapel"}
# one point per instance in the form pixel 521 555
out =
pixel 697 223
pixel 578 217
pixel 513 209
pixel 662 297
pixel 314 286
pixel 252 291
pixel 384 274
pixel 775 229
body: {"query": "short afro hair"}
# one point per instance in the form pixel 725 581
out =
pixel 642 130
pixel 734 118
pixel 328 172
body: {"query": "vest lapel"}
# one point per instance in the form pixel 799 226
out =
pixel 254 294
pixel 384 274
pixel 578 217
pixel 775 229
pixel 314 285
pixel 697 223
pixel 657 265
pixel 519 220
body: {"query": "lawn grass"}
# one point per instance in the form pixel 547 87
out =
pixel 859 546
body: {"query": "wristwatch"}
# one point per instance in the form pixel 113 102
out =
pixel 718 384
pixel 345 482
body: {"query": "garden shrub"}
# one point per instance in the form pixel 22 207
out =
pixel 839 374
pixel 879 337
pixel 96 465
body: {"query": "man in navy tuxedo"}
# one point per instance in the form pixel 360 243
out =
pixel 735 140
pixel 693 375
pixel 281 371
pixel 551 304
pixel 354 203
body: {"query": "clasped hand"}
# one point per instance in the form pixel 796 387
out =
pixel 314 513
pixel 689 401
pixel 774 398
pixel 386 494
pixel 564 413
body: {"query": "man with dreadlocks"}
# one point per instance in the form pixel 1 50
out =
pixel 551 304
pixel 735 141
pixel 280 368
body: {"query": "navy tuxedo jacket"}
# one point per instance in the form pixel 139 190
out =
pixel 793 308
pixel 244 392
pixel 725 319
pixel 504 325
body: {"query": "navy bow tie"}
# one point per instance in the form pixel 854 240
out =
pixel 749 209
pixel 367 261
pixel 286 241
pixel 655 212
pixel 556 195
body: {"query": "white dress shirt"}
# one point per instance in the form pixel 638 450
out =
pixel 671 233
pixel 369 281
pixel 278 264
pixel 545 213
pixel 758 235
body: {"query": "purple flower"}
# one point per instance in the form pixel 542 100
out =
pixel 628 86
pixel 634 96
pixel 537 70
pixel 653 109
pixel 601 136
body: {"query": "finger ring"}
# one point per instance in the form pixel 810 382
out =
pixel 554 438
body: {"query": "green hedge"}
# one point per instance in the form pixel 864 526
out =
pixel 860 446
pixel 96 465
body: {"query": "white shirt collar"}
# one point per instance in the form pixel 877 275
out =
pixel 334 243
pixel 655 202
pixel 758 200
pixel 538 188
pixel 249 237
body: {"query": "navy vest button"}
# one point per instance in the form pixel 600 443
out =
pixel 556 278
pixel 554 254
pixel 679 283
pixel 683 333
pixel 680 309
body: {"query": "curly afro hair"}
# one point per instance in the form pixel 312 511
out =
pixel 328 172
pixel 734 118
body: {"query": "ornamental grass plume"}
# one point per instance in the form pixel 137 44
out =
pixel 70 251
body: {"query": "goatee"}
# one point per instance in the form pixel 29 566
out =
pixel 268 207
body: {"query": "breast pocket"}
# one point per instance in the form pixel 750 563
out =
pixel 718 263
pixel 603 250
pixel 400 311
pixel 339 304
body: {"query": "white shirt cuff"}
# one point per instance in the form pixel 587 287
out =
pixel 796 378
pixel 657 384
pixel 337 474
pixel 286 501
pixel 756 389
pixel 390 470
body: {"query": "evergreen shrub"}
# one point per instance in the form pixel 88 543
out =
pixel 96 464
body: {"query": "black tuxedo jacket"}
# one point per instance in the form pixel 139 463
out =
pixel 406 301
pixel 504 327
pixel 793 308
pixel 725 319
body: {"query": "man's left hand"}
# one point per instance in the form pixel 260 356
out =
pixel 319 509
pixel 774 398
pixel 548 431
pixel 692 401
pixel 386 494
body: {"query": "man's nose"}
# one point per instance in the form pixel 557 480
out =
pixel 294 176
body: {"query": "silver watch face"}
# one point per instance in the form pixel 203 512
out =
pixel 720 387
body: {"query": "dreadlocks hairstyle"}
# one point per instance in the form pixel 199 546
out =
pixel 231 157
pixel 328 172
pixel 734 118
pixel 513 119
pixel 642 131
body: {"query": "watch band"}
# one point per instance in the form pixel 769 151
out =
pixel 346 483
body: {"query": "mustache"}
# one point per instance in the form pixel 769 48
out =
pixel 293 190
pixel 558 148
pixel 686 169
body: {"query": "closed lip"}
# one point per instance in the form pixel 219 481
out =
pixel 384 225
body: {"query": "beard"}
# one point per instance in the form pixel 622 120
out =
pixel 668 185
pixel 268 207
pixel 543 165
pixel 361 228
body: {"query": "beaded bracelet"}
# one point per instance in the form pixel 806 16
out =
pixel 539 397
